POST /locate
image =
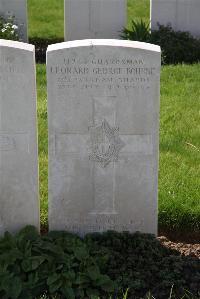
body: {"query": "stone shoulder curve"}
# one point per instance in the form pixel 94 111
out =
pixel 17 45
pixel 105 42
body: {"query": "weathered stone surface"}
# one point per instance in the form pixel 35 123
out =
pixel 94 18
pixel 18 9
pixel 103 109
pixel 182 15
pixel 19 205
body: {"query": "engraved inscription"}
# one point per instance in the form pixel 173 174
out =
pixel 14 142
pixel 98 73
pixel 9 64
pixel 105 144
pixel 102 223
pixel 7 143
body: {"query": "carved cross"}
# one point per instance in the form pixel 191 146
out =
pixel 104 146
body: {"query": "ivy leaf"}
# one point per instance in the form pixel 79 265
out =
pixel 70 275
pixel 55 286
pixel 82 279
pixel 92 293
pixel 68 292
pixel 28 233
pixel 81 253
pixel 7 242
pixel 53 278
pixel 33 279
pixel 94 273
pixel 15 288
pixel 105 283
pixel 79 293
pixel 32 263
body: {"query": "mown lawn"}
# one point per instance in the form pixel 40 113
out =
pixel 179 175
pixel 46 17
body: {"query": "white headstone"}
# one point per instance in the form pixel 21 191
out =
pixel 19 205
pixel 103 109
pixel 182 15
pixel 94 18
pixel 18 10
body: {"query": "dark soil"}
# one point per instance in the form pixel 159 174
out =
pixel 186 249
pixel 190 237
pixel 41 47
pixel 141 263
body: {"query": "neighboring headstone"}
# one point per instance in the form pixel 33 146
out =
pixel 182 15
pixel 18 10
pixel 19 203
pixel 94 18
pixel 103 109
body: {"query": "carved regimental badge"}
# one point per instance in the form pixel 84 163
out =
pixel 105 143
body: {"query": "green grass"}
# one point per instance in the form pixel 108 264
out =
pixel 43 141
pixel 46 17
pixel 179 180
pixel 138 9
pixel 179 175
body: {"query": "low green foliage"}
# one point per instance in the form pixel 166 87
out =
pixel 57 263
pixel 63 265
pixel 139 31
pixel 8 29
pixel 177 47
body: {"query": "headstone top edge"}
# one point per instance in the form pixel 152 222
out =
pixel 17 45
pixel 104 42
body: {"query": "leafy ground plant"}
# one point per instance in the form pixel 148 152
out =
pixel 177 47
pixel 58 263
pixel 8 29
pixel 98 266
pixel 139 31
